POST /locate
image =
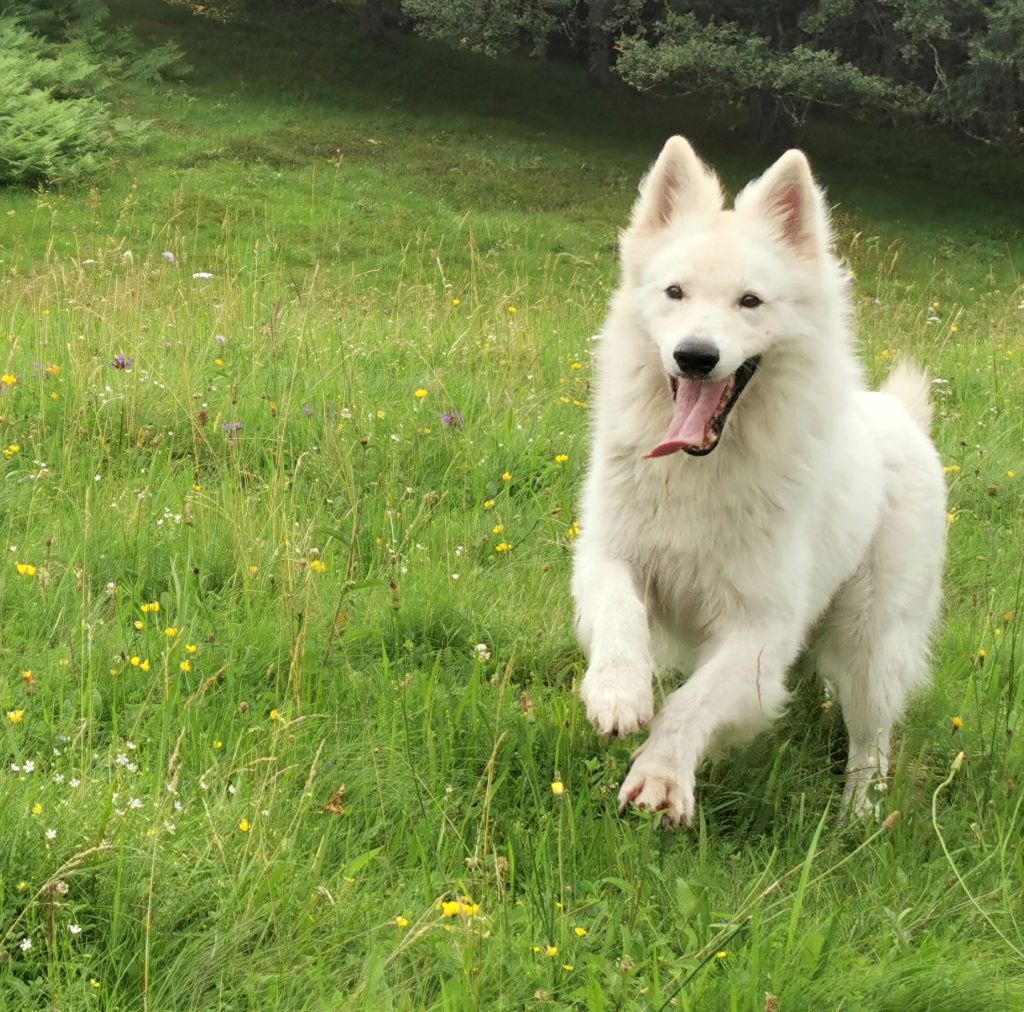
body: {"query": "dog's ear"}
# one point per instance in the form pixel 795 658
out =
pixel 788 197
pixel 678 183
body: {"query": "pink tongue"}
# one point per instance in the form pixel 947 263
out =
pixel 696 404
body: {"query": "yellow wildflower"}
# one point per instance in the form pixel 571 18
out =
pixel 218 361
pixel 721 954
pixel 459 908
pixel 958 723
pixel 497 528
pixel 507 476
pixel 504 546
pixel 573 531
pixel 951 469
pixel 190 648
pixel 53 370
pixel 218 744
pixel 145 665
pixel 568 967
pixel 1011 474
pixel 318 566
pixel 8 380
pixel 244 826
pixel 25 569
pixel 557 788
pixel 513 310
pixel 275 714
pixel 456 302
pixel 170 632
pixel 551 951
pixel 37 809
pixel 403 922
pixel 185 665
pixel 580 932
pixel 15 716
pixel 253 570
pixel 139 626
pixel 561 458
pixel 421 393
pixel 135 662
pixel 488 504
pixel 12 451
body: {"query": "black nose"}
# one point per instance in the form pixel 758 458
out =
pixel 696 358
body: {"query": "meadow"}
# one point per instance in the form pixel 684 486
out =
pixel 294 417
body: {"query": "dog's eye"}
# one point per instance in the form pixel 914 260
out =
pixel 674 292
pixel 749 301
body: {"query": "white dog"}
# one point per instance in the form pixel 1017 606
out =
pixel 805 511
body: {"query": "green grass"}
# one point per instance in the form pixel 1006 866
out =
pixel 344 199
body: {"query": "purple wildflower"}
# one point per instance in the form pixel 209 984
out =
pixel 168 256
pixel 120 362
pixel 232 427
pixel 453 419
pixel 307 410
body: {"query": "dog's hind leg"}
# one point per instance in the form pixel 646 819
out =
pixel 873 646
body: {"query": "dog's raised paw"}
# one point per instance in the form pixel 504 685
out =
pixel 619 701
pixel 654 785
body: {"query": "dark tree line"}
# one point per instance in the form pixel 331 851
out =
pixel 958 63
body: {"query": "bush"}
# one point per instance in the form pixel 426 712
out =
pixel 50 128
pixel 55 61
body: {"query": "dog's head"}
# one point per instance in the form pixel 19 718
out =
pixel 717 290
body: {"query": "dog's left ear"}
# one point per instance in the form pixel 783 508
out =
pixel 788 196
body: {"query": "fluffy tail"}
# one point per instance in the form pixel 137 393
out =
pixel 909 385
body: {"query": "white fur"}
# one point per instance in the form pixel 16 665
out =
pixel 817 522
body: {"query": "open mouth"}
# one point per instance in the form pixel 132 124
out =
pixel 700 408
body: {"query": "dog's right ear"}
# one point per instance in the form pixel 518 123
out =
pixel 678 183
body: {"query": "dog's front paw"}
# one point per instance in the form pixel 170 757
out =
pixel 658 783
pixel 619 700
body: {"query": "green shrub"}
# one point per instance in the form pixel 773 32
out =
pixel 51 129
pixel 55 61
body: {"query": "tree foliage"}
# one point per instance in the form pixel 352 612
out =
pixel 958 63
pixel 955 64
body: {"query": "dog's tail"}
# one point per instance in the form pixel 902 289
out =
pixel 909 385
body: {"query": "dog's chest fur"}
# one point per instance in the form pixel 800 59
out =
pixel 704 538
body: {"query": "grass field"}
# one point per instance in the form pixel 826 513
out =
pixel 287 665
